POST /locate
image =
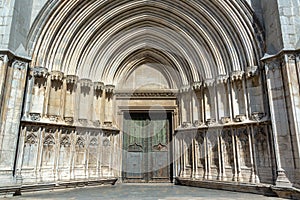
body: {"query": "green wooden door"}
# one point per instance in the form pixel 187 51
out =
pixel 146 155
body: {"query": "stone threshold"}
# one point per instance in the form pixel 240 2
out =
pixel 19 189
pixel 261 189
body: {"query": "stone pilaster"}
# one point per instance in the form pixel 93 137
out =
pixel 210 101
pixel 223 99
pixel 278 112
pixel 3 70
pixel 109 105
pixel 10 117
pixel 85 101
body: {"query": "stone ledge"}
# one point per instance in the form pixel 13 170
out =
pixel 262 189
pixel 286 192
pixel 18 190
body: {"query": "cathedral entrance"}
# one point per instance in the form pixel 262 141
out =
pixel 147 147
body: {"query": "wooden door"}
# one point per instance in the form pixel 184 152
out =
pixel 146 155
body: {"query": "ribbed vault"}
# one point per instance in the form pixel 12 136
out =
pixel 101 39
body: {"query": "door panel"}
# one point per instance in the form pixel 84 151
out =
pixel 146 155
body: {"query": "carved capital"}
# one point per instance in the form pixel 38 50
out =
pixel 110 89
pixel 99 86
pixel 39 72
pixel 273 65
pixel 85 83
pixel 222 79
pixel 56 76
pixel 289 58
pixel 252 71
pixel 197 86
pixel 20 65
pixel 97 123
pixel 83 122
pixel 209 83
pixel 237 75
pixel 71 79
pixel 108 124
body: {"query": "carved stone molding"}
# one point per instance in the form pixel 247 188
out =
pixel 252 71
pixel 97 123
pixel 240 118
pixel 35 116
pixel 210 122
pixel 39 72
pixel 99 86
pixel 197 86
pixel 108 124
pixel 69 120
pixel 237 75
pixel 83 122
pixel 209 83
pixel 257 116
pixel 56 75
pixel 185 124
pixel 53 118
pixel 71 79
pixel 110 89
pixel 222 79
pixel 225 120
pixel 85 83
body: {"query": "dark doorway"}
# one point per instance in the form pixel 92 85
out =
pixel 147 147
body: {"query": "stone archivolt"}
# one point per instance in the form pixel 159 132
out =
pixel 102 59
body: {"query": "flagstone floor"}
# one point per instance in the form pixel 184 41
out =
pixel 139 192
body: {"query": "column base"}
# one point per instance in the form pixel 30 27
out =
pixel 282 180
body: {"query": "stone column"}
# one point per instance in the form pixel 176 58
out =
pixel 281 137
pixel 184 106
pixel 210 101
pixel 223 99
pixel 197 99
pixel 10 117
pixel 255 94
pixel 36 88
pixel 70 99
pixel 238 96
pixel 98 95
pixel 55 97
pixel 291 72
pixel 85 101
pixel 109 105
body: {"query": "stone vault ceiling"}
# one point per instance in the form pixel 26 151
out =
pixel 104 40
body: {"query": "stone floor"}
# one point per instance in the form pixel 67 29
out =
pixel 139 191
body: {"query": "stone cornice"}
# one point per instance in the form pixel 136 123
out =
pixel 147 93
